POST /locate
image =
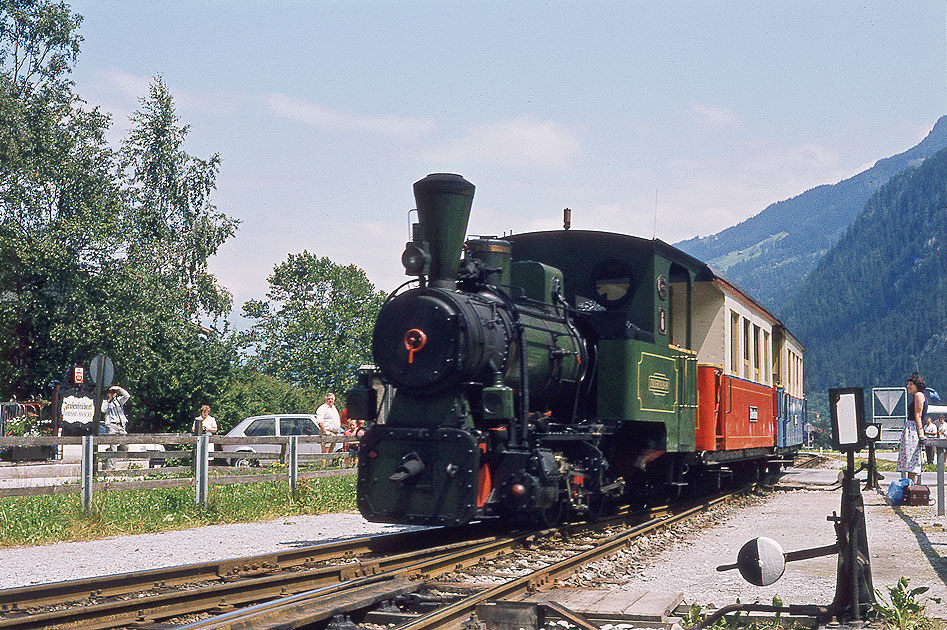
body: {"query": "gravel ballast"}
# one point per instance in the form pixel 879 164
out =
pixel 22 566
pixel 904 541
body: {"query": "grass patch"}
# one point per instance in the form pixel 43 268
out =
pixel 52 518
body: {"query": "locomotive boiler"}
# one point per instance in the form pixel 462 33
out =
pixel 552 373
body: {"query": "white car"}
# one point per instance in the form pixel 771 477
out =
pixel 276 425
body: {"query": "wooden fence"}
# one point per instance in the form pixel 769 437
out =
pixel 184 449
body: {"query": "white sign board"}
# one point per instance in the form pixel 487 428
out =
pixel 77 409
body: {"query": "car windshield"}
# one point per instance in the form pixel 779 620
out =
pixel 297 426
pixel 263 426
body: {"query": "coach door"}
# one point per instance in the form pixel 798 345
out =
pixel 686 398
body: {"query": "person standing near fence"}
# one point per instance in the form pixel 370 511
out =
pixel 930 432
pixel 329 421
pixel 205 423
pixel 116 423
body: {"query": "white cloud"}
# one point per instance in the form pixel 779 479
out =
pixel 130 87
pixel 317 116
pixel 522 141
pixel 715 116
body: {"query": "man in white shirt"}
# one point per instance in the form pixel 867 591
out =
pixel 329 421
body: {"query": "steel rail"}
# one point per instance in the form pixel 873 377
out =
pixel 68 591
pixel 455 614
pixel 302 608
pixel 353 575
pixel 311 607
pixel 225 594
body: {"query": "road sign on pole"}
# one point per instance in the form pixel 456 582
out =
pixel 889 409
pixel 107 373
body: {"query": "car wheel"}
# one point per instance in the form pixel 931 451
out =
pixel 243 462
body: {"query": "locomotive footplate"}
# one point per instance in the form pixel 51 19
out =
pixel 418 475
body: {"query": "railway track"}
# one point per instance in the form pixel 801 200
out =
pixel 428 575
pixel 809 461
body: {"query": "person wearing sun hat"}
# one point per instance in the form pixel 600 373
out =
pixel 113 416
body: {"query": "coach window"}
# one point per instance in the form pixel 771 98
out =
pixel 734 343
pixel 756 353
pixel 798 376
pixel 766 369
pixel 746 348
pixel 789 371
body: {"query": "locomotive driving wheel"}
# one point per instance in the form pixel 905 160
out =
pixel 552 515
pixel 600 506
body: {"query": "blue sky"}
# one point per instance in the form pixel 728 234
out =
pixel 672 118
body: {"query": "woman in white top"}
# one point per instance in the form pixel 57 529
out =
pixel 205 423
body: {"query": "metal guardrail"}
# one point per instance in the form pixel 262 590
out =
pixel 200 453
pixel 941 445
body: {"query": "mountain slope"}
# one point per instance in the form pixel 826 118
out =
pixel 770 254
pixel 875 307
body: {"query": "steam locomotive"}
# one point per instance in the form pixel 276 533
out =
pixel 561 373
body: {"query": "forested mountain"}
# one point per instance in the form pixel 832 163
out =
pixel 875 307
pixel 771 253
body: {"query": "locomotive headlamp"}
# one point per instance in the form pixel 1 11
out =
pixel 416 259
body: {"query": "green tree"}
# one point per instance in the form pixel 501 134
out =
pixel 250 393
pixel 163 288
pixel 101 252
pixel 315 329
pixel 173 228
pixel 57 195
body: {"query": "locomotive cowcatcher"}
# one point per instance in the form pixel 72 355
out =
pixel 553 374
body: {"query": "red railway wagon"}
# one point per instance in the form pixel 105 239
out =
pixel 748 362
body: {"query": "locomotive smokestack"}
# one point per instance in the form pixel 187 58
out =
pixel 444 202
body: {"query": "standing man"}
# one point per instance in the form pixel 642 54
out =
pixel 930 432
pixel 329 421
pixel 114 417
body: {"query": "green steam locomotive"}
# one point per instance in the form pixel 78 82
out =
pixel 543 375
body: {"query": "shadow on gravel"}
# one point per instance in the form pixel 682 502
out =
pixel 938 563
